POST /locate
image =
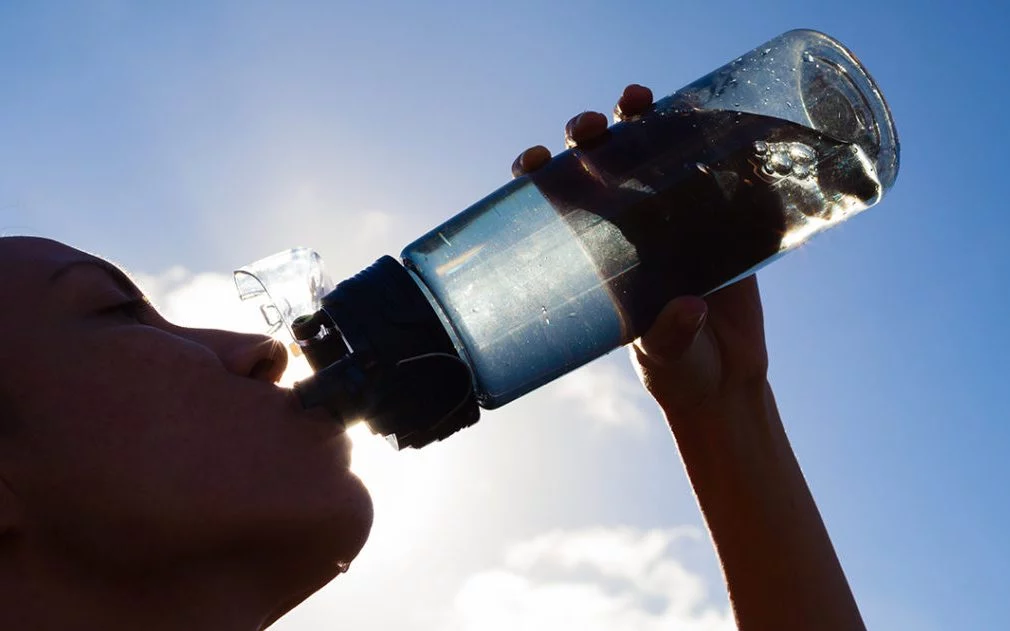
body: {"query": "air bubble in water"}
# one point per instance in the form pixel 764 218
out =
pixel 786 158
pixel 780 162
pixel 801 152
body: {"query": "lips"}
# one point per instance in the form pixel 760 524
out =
pixel 318 421
pixel 317 414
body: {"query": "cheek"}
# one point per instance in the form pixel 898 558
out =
pixel 116 415
pixel 149 372
pixel 149 436
pixel 123 383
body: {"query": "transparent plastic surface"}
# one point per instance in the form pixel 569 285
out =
pixel 285 285
pixel 559 267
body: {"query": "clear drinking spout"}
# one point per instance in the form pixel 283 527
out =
pixel 287 285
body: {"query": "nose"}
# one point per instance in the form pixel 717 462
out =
pixel 245 354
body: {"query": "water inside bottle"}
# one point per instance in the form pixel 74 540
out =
pixel 562 266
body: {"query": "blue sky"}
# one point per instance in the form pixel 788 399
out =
pixel 196 137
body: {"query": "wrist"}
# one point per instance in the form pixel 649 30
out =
pixel 737 420
pixel 738 457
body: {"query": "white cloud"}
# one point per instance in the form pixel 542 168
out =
pixel 202 300
pixel 597 579
pixel 604 393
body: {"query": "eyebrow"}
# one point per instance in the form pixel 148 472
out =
pixel 116 274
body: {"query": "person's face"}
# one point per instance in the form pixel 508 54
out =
pixel 129 441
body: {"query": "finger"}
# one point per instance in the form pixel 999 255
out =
pixel 636 100
pixel 675 329
pixel 741 300
pixel 737 309
pixel 531 160
pixel 585 127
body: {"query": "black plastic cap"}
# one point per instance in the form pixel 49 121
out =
pixel 412 385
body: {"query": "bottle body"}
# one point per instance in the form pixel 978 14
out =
pixel 561 266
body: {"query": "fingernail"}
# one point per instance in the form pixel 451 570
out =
pixel 532 159
pixel 517 167
pixel 571 126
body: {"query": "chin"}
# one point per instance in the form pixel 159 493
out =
pixel 322 548
pixel 356 520
pixel 346 526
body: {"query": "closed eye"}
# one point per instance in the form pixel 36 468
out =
pixel 139 310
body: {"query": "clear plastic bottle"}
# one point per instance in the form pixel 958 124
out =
pixel 558 267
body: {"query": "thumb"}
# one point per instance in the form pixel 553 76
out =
pixel 676 359
pixel 675 329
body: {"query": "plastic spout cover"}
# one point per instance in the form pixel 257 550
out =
pixel 286 285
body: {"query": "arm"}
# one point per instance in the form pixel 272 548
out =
pixel 780 567
pixel 777 559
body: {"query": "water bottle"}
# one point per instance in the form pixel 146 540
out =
pixel 561 266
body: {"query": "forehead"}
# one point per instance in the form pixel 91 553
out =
pixel 28 262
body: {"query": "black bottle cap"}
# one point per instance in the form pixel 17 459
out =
pixel 412 385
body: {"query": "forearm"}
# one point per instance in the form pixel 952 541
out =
pixel 780 567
